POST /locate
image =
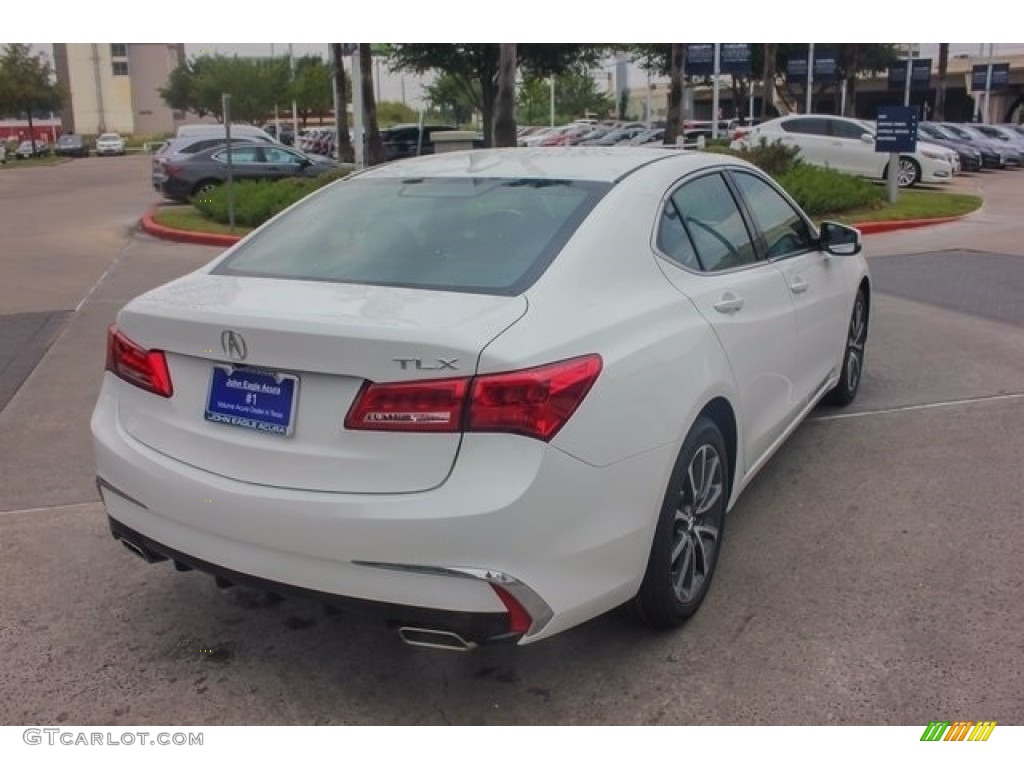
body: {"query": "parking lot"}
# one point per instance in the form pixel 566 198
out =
pixel 870 575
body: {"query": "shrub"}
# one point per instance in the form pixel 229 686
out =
pixel 775 159
pixel 824 190
pixel 258 201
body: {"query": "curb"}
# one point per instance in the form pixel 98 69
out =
pixel 877 227
pixel 150 227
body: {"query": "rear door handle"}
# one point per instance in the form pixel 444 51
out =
pixel 729 303
pixel 799 285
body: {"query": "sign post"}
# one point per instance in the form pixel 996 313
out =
pixel 896 133
pixel 225 102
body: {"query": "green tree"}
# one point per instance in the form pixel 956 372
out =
pixel 476 64
pixel 454 97
pixel 255 85
pixel 312 88
pixel 26 85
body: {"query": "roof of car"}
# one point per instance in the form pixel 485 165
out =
pixel 594 163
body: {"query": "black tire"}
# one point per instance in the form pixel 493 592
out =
pixel 688 536
pixel 844 392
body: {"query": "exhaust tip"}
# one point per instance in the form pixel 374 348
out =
pixel 138 549
pixel 440 639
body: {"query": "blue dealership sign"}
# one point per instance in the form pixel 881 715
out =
pixel 826 67
pixel 734 59
pixel 920 75
pixel 1000 80
pixel 896 129
pixel 700 59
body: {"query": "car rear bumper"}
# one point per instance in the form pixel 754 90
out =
pixel 569 540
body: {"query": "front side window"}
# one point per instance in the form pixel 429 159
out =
pixel 713 219
pixel 845 130
pixel 784 230
pixel 241 155
pixel 281 156
pixel 465 234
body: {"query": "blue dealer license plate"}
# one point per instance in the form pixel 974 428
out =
pixel 260 400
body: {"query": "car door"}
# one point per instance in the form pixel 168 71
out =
pixel 815 281
pixel 246 162
pixel 713 261
pixel 810 136
pixel 281 163
pixel 849 151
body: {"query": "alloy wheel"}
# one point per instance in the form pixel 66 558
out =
pixel 697 523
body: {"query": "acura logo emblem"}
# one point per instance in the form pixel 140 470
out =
pixel 233 345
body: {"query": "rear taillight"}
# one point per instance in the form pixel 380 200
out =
pixel 145 368
pixel 413 406
pixel 536 402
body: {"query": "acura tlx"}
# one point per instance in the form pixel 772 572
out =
pixel 488 395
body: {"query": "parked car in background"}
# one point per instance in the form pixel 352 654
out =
pixel 29 149
pixel 238 131
pixel 848 145
pixel 1000 133
pixel 971 158
pixel 614 136
pixel 287 132
pixel 404 140
pixel 72 145
pixel 488 396
pixel 1009 155
pixel 110 144
pixel 187 175
pixel 190 145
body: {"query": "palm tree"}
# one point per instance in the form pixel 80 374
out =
pixel 940 92
pixel 345 152
pixel 505 108
pixel 374 145
pixel 768 79
pixel 674 122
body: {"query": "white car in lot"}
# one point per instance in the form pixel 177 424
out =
pixel 491 394
pixel 110 144
pixel 848 145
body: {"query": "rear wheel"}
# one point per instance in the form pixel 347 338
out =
pixel 689 532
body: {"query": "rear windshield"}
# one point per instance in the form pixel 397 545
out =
pixel 477 235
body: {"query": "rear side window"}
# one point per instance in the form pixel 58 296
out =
pixel 713 219
pixel 476 235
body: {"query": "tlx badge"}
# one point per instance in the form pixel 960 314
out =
pixel 415 363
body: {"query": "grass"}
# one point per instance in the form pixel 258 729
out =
pixel 188 218
pixel 912 204
pixel 33 162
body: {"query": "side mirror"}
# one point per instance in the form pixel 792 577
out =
pixel 839 239
pixel 867 138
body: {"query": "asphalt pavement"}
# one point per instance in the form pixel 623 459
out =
pixel 870 575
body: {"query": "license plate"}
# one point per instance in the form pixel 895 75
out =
pixel 254 399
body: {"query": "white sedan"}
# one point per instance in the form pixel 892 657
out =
pixel 491 394
pixel 848 145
